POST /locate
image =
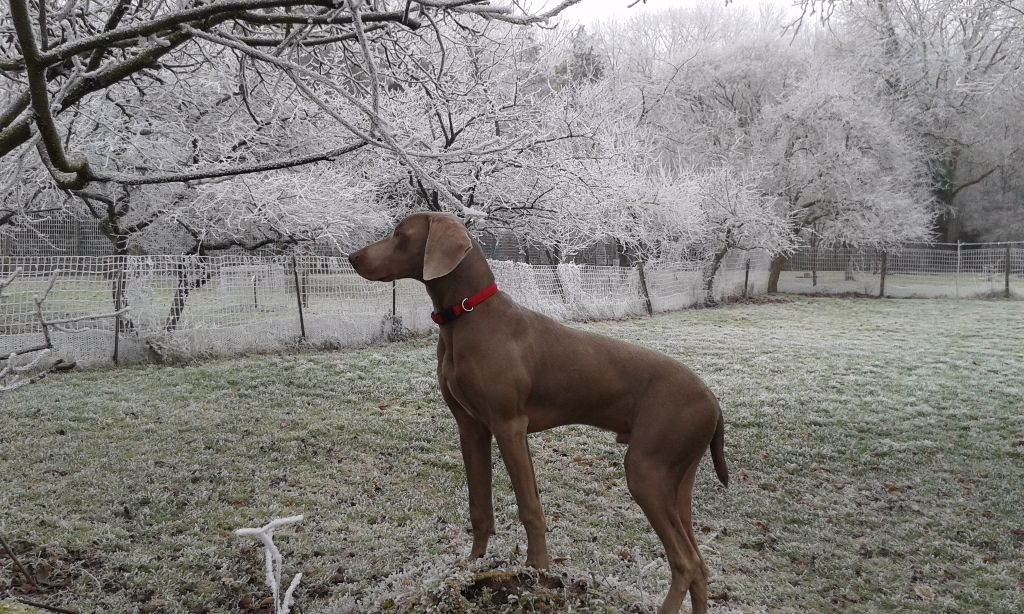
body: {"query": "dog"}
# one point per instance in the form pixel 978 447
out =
pixel 506 371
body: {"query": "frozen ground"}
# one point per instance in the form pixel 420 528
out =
pixel 876 450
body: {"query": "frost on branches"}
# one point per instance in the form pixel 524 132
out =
pixel 841 170
pixel 272 556
pixel 77 68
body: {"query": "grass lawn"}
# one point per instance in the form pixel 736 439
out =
pixel 876 450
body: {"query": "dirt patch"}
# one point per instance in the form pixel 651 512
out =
pixel 43 572
pixel 756 299
pixel 542 590
pixel 506 591
pixel 851 294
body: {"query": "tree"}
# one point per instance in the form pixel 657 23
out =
pixel 701 77
pixel 190 129
pixel 949 67
pixel 841 169
pixel 61 56
pixel 735 215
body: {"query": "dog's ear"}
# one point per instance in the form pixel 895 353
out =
pixel 448 243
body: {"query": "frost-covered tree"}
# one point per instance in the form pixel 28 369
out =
pixel 702 76
pixel 735 215
pixel 506 137
pixel 840 167
pixel 338 56
pixel 579 188
pixel 952 70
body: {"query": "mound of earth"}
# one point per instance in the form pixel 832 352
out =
pixel 499 591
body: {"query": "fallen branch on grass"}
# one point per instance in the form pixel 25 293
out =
pixel 282 604
pixel 17 563
pixel 43 606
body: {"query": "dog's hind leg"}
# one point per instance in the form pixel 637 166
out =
pixel 654 485
pixel 699 588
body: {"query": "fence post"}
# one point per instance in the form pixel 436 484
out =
pixel 118 299
pixel 746 276
pixel 298 295
pixel 881 283
pixel 1006 281
pixel 643 288
pixel 814 264
pixel 958 254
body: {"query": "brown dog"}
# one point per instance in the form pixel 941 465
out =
pixel 506 371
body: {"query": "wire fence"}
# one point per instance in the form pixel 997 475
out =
pixel 184 307
pixel 962 270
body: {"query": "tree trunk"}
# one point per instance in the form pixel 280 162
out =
pixel 952 219
pixel 182 292
pixel 881 279
pixel 709 277
pixel 180 296
pixel 620 253
pixel 848 273
pixel 120 284
pixel 643 288
pixel 776 270
pixel 1006 272
pixel 556 259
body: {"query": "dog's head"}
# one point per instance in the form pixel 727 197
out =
pixel 423 246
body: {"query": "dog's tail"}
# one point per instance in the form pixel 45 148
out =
pixel 718 451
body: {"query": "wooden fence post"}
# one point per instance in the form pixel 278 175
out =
pixel 643 288
pixel 1006 267
pixel 814 264
pixel 298 295
pixel 881 283
pixel 118 300
pixel 958 256
pixel 746 277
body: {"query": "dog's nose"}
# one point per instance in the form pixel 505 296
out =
pixel 353 258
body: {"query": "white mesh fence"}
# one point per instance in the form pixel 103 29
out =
pixel 189 307
pixel 936 270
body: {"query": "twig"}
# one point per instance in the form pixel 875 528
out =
pixel 17 563
pixel 43 606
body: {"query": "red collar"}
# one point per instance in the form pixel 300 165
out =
pixel 450 313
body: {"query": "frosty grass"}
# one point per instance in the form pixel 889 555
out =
pixel 876 450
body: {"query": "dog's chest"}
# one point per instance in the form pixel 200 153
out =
pixel 464 392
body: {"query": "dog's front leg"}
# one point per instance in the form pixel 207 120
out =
pixel 475 441
pixel 515 451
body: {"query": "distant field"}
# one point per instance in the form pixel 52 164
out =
pixel 876 449
pixel 922 285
